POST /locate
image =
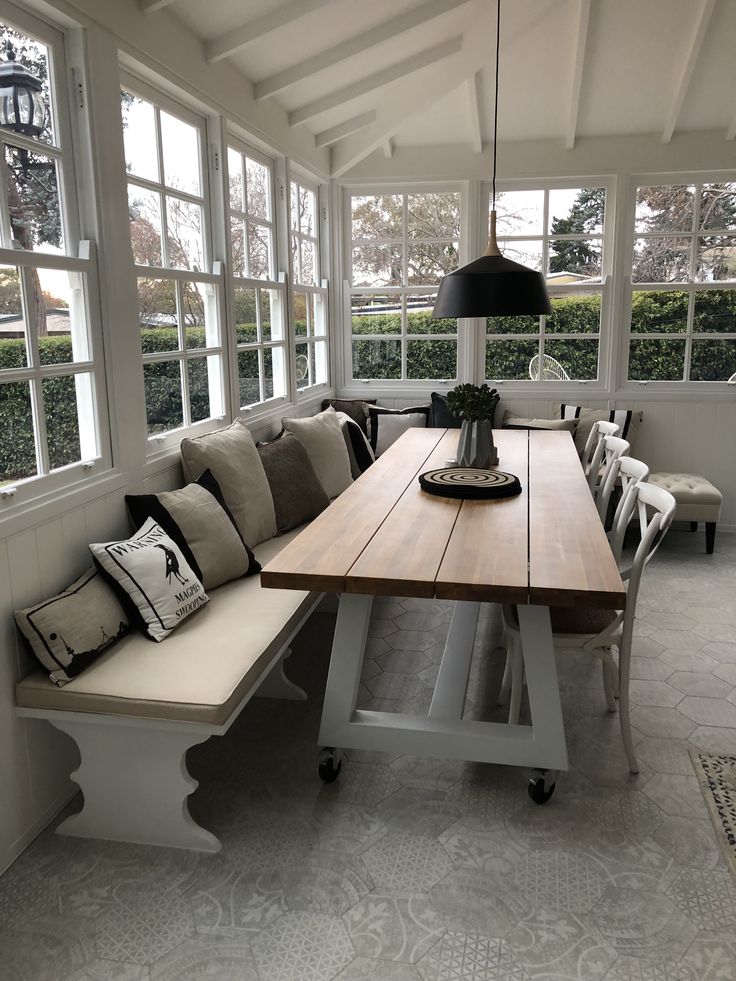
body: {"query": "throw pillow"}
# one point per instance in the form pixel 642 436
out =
pixel 232 457
pixel 517 422
pixel 201 524
pixel 152 578
pixel 322 438
pixel 298 496
pixel 351 407
pixel 627 419
pixel 440 416
pixel 386 425
pixel 359 449
pixel 70 630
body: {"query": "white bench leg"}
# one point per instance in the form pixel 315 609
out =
pixel 277 685
pixel 135 785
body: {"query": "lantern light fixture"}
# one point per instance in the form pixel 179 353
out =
pixel 22 104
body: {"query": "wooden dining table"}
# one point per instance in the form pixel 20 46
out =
pixel 385 536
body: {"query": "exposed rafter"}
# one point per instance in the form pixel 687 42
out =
pixel 339 132
pixel 388 148
pixel 372 82
pixel 581 41
pixel 235 40
pixel 476 121
pixel 151 6
pixel 731 128
pixel 354 46
pixel 701 27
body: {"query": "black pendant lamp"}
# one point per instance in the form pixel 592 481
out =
pixel 492 286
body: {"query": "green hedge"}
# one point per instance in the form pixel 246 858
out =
pixel 651 358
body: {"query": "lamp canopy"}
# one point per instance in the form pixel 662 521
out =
pixel 492 286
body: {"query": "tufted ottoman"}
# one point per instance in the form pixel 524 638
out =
pixel 697 500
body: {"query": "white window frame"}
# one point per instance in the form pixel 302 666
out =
pixel 602 287
pixel 80 261
pixel 276 282
pixel 319 290
pixel 403 384
pixel 690 286
pixel 212 280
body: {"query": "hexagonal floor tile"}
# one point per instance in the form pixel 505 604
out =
pixel 701 683
pixel 709 711
pixel 407 862
pixel 303 947
pixel 644 924
pixel 394 926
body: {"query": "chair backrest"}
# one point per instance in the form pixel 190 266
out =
pixel 609 448
pixel 656 508
pixel 597 431
pixel 629 471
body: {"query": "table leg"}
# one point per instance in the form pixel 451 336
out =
pixel 541 680
pixel 346 663
pixel 452 681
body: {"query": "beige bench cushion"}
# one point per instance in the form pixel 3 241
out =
pixel 697 499
pixel 201 672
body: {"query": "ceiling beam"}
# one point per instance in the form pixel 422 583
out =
pixel 376 81
pixel 476 121
pixel 388 148
pixel 731 129
pixel 151 6
pixel 235 40
pixel 339 132
pixel 696 43
pixel 581 41
pixel 353 46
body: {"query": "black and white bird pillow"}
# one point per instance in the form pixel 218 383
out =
pixel 150 572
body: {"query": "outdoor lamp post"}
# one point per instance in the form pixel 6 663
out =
pixel 22 105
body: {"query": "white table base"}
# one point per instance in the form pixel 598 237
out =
pixel 444 733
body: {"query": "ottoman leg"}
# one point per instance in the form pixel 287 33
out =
pixel 710 536
pixel 693 526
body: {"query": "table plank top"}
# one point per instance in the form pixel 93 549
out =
pixel 385 536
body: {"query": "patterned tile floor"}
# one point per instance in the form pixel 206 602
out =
pixel 426 870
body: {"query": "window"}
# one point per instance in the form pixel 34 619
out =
pixel 49 422
pixel 683 303
pixel 401 245
pixel 259 299
pixel 179 295
pixel 559 232
pixel 309 293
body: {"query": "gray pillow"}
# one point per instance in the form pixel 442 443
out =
pixel 69 631
pixel 627 419
pixel 517 422
pixel 232 457
pixel 298 495
pixel 322 438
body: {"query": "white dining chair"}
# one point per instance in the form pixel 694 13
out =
pixel 607 453
pixel 597 431
pixel 599 632
pixel 625 471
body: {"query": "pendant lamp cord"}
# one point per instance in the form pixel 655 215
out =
pixel 495 108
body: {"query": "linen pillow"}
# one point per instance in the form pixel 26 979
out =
pixel 153 579
pixel 232 457
pixel 440 416
pixel 322 438
pixel 627 419
pixel 517 422
pixel 386 425
pixel 298 496
pixel 69 631
pixel 355 408
pixel 200 523
pixel 359 449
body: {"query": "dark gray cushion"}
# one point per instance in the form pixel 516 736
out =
pixel 298 495
pixel 440 416
pixel 351 407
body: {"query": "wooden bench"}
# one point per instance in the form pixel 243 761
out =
pixel 136 711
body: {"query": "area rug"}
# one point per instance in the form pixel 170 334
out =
pixel 717 776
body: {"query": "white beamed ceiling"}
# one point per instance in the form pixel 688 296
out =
pixel 646 64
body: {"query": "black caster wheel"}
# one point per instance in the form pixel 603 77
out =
pixel 330 765
pixel 541 786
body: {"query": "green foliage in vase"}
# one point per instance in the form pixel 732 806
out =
pixel 472 402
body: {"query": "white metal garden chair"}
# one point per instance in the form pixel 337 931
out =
pixel 600 632
pixel 547 368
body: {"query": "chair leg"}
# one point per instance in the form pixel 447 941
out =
pixel 624 668
pixel 609 684
pixel 693 526
pixel 710 536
